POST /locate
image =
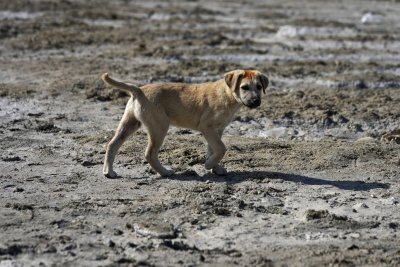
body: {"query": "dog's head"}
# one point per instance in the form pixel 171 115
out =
pixel 246 86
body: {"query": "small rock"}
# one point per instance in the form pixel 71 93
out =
pixel 202 258
pixel 18 190
pixel 221 211
pixel 125 261
pixel 12 250
pixel 354 235
pixel 35 114
pixel 241 204
pixel 360 205
pixel 201 227
pixel 158 230
pixel 70 247
pixel 178 244
pixel 353 247
pixel 365 140
pixel 280 132
pixel 47 248
pixel 392 201
pixel 287 31
pixel 371 18
pixel 88 163
pixel 333 203
pixel 111 243
pixel 235 254
pixel 316 214
pixel 323 214
pixel 100 257
pixel 118 232
pixel 11 158
pixel 47 127
pixel 392 136
pixel 132 245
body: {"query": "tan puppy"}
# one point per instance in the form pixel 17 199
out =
pixel 206 107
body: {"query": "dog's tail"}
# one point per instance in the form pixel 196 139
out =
pixel 127 87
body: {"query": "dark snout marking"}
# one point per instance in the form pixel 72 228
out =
pixel 255 102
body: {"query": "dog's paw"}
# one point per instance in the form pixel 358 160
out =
pixel 167 173
pixel 218 170
pixel 110 174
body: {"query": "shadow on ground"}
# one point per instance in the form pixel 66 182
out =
pixel 240 176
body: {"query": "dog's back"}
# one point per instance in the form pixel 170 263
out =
pixel 187 105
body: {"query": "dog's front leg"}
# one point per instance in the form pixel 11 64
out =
pixel 216 151
pixel 209 148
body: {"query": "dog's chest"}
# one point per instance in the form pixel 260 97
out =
pixel 219 118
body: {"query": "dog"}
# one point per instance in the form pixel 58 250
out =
pixel 206 107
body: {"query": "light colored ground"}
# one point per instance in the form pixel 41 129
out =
pixel 302 191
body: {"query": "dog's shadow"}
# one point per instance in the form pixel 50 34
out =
pixel 235 177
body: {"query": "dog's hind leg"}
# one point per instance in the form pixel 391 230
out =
pixel 128 125
pixel 156 134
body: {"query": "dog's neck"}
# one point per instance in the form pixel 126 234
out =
pixel 232 99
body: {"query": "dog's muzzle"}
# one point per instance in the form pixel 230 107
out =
pixel 254 103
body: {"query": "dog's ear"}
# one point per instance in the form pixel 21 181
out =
pixel 233 78
pixel 264 81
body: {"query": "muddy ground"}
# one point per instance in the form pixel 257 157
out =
pixel 313 179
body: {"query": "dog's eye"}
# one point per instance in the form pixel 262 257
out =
pixel 259 87
pixel 245 87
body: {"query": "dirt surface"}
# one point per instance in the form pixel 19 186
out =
pixel 313 173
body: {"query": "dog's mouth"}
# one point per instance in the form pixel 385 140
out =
pixel 253 104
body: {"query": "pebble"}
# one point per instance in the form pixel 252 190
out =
pixel 88 163
pixel 333 203
pixel 287 31
pixel 202 258
pixel 371 18
pixel 360 205
pixel 354 235
pixel 158 230
pixel 280 132
pixel 18 190
pixel 392 201
pixel 365 140
pixel 11 158
pixel 118 232
pixel 111 243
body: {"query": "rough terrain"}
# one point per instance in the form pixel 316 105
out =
pixel 313 173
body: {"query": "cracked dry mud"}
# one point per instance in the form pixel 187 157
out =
pixel 313 173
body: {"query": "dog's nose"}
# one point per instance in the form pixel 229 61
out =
pixel 256 102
